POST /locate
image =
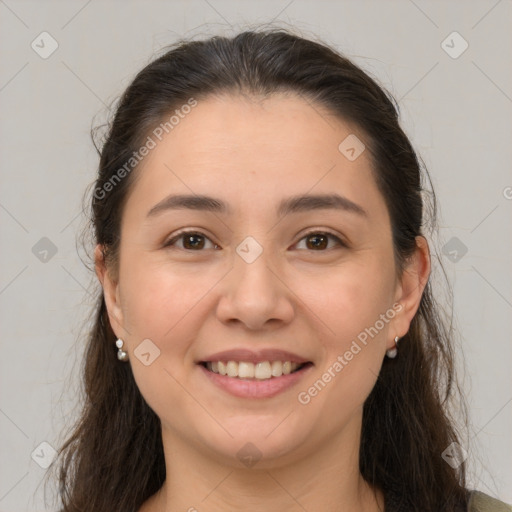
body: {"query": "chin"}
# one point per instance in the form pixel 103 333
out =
pixel 257 443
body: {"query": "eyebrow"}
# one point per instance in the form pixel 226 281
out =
pixel 294 204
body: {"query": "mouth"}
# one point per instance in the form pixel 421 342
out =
pixel 254 371
pixel 257 378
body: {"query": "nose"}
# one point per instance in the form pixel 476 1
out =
pixel 255 295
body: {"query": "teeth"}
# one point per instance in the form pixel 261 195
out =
pixel 232 369
pixel 277 368
pixel 245 370
pixel 222 368
pixel 263 370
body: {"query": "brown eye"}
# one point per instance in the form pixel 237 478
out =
pixel 319 241
pixel 191 241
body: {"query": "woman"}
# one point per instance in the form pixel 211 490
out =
pixel 266 336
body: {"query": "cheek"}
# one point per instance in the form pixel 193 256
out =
pixel 162 304
pixel 351 359
pixel 348 299
pixel 156 297
pixel 354 308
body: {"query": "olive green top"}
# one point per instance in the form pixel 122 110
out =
pixel 480 502
pixel 477 501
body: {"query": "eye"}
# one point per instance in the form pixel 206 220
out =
pixel 319 240
pixel 192 241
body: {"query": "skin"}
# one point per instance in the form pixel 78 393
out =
pixel 311 301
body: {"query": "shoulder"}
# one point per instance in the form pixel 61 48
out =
pixel 481 502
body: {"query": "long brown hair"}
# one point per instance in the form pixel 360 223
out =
pixel 113 458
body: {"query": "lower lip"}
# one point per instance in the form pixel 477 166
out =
pixel 255 388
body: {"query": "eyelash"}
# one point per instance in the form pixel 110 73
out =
pixel 181 234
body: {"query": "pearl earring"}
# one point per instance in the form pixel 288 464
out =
pixel 121 354
pixel 392 352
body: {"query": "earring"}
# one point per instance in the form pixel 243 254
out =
pixel 392 352
pixel 121 354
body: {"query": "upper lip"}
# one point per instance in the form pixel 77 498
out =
pixel 255 356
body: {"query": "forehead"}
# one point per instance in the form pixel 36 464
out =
pixel 254 152
pixel 283 127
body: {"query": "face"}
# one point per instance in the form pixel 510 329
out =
pixel 296 299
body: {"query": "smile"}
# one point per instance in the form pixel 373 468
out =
pixel 262 379
pixel 262 370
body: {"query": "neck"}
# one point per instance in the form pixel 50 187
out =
pixel 327 480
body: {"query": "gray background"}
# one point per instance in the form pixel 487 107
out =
pixel 457 112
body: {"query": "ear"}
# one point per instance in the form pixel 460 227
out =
pixel 110 292
pixel 410 287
